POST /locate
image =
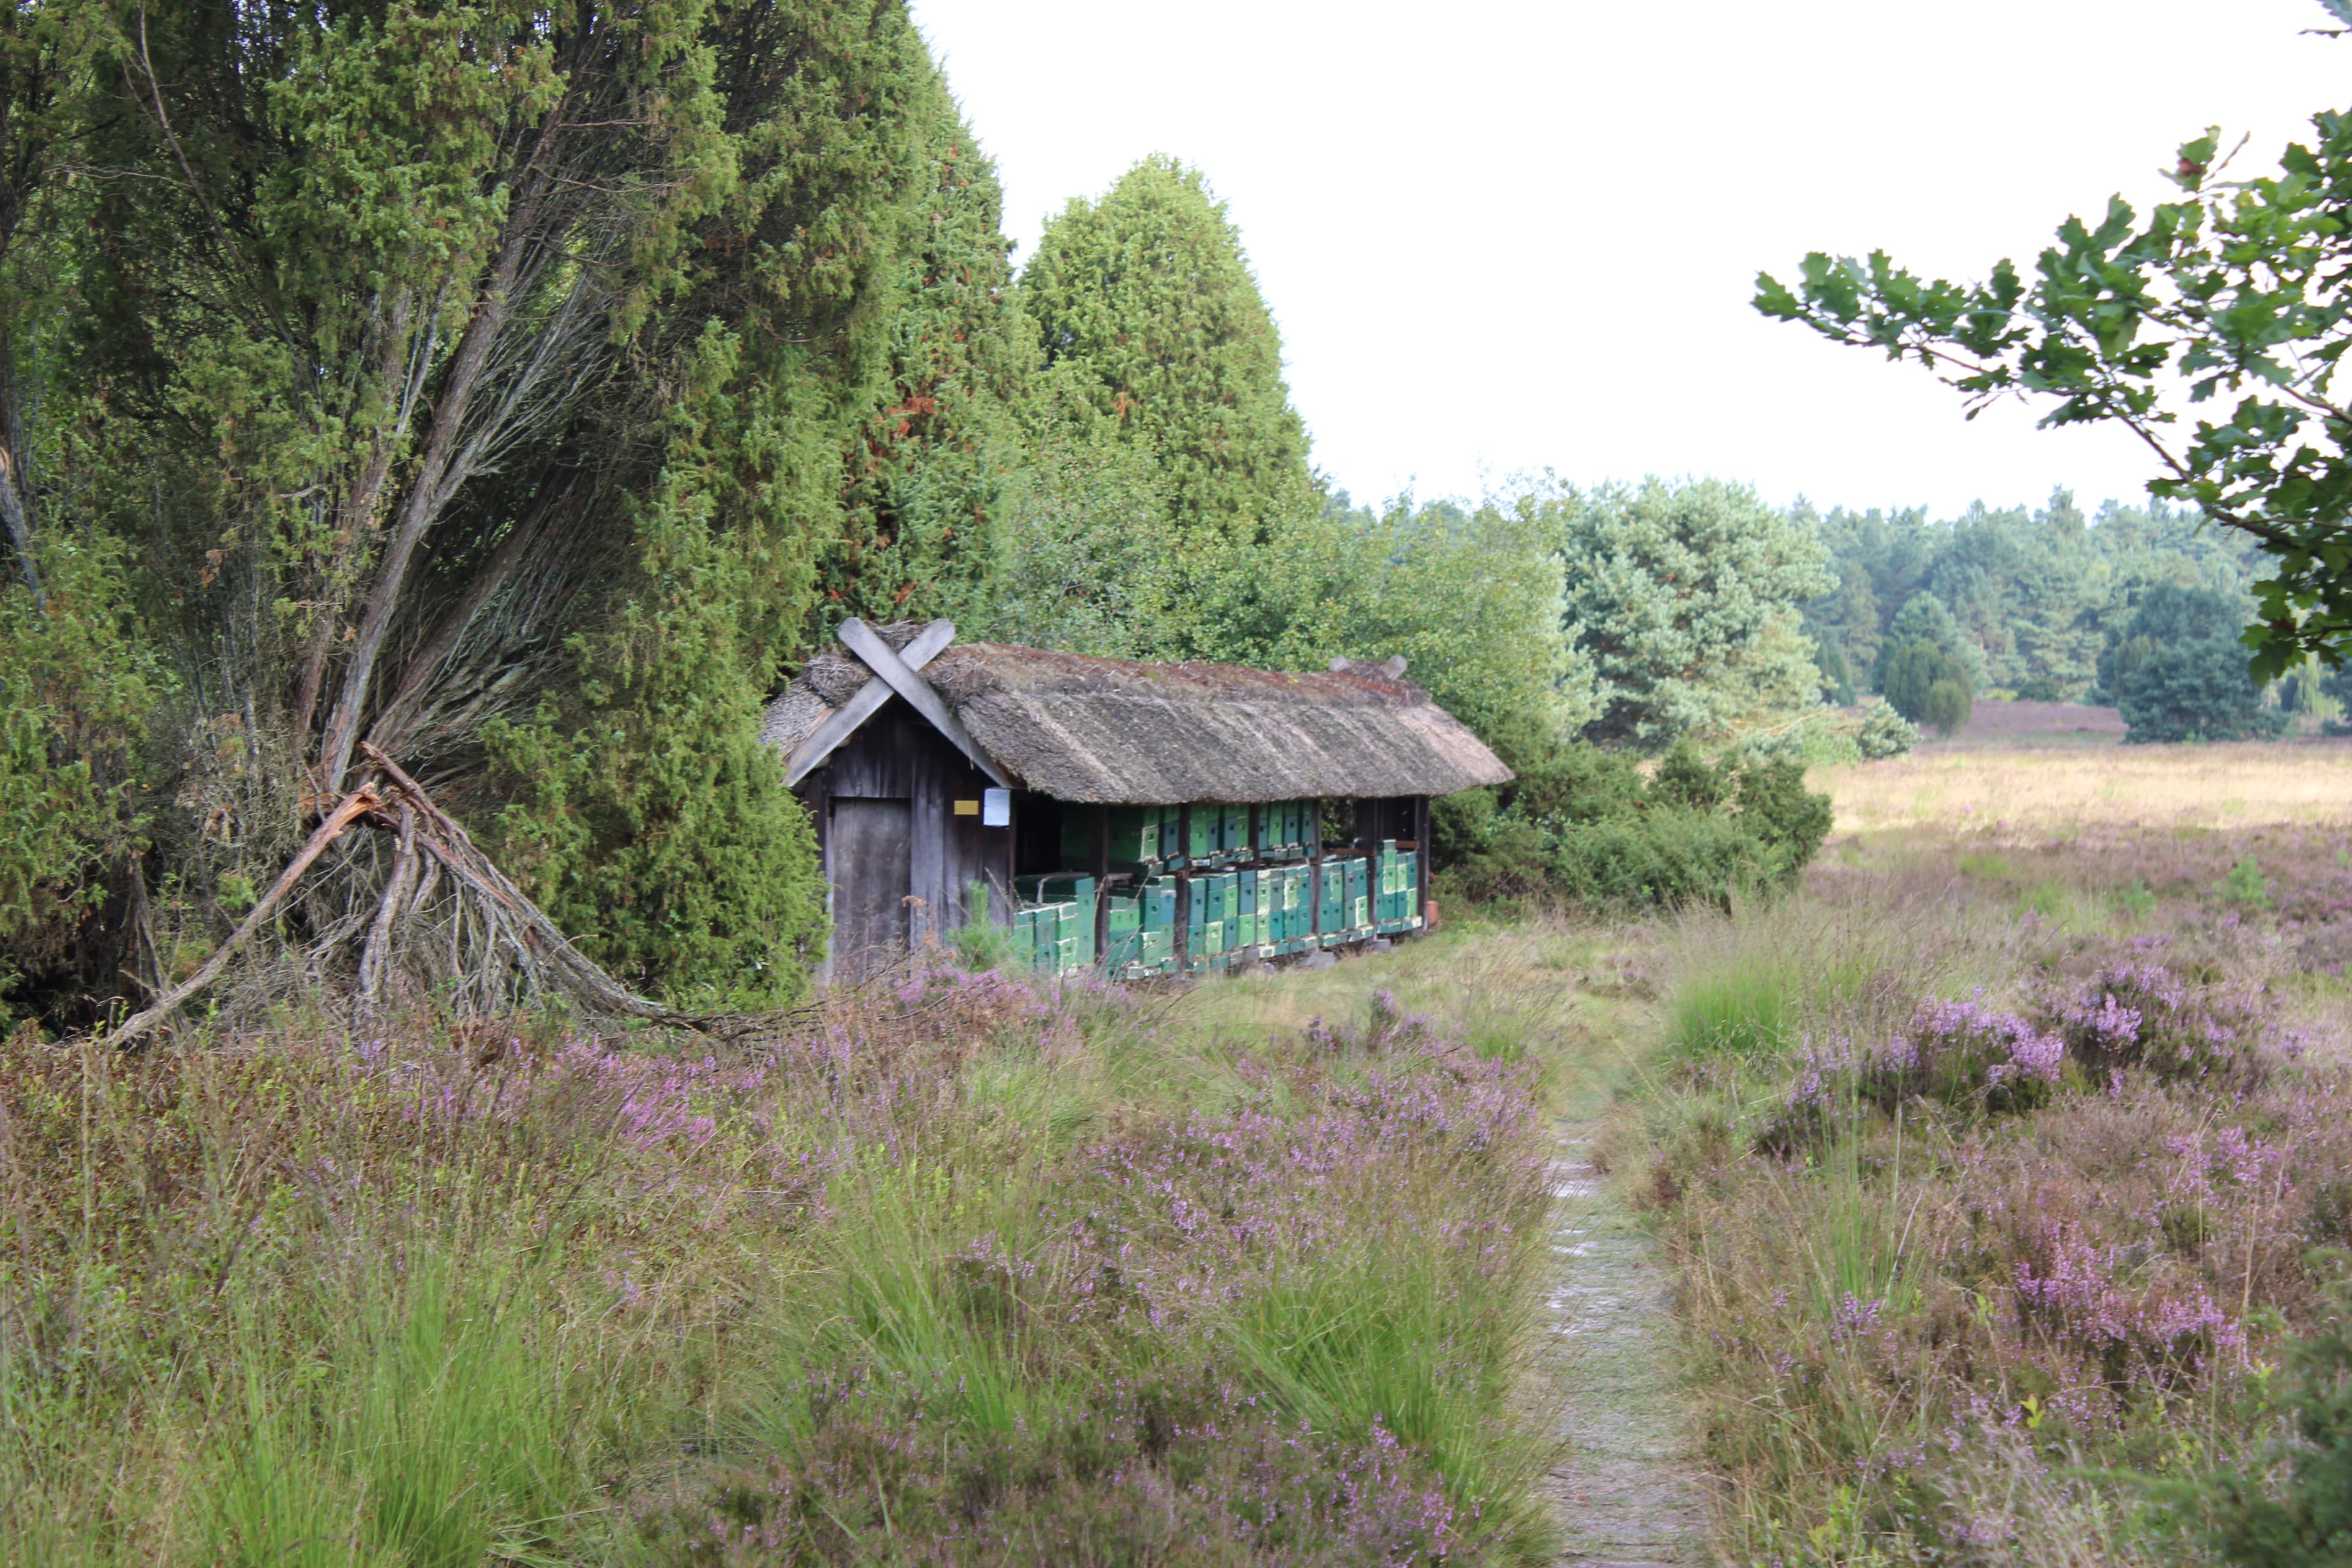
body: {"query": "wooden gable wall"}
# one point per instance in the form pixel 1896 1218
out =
pixel 898 854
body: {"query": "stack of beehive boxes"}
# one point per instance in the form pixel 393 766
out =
pixel 1252 896
pixel 1397 907
pixel 1055 921
pixel 1142 939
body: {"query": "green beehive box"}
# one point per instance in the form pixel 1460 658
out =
pixel 1052 922
pixel 1135 833
pixel 1201 841
pixel 1159 904
pixel 1235 836
pixel 1072 896
pixel 1159 945
pixel 1123 932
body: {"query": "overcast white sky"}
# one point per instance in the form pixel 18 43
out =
pixel 1502 236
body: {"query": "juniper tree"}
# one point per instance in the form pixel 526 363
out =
pixel 1149 290
pixel 485 372
pixel 927 470
pixel 1923 619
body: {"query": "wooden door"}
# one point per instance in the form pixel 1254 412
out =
pixel 870 854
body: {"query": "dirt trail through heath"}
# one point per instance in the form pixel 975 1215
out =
pixel 1626 1489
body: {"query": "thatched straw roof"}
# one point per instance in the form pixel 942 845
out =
pixel 1107 730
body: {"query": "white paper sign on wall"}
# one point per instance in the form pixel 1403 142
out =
pixel 996 808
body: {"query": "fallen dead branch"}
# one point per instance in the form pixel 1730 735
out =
pixel 354 805
pixel 492 926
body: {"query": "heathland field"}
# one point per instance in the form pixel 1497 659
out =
pixel 2007 1166
pixel 953 1271
pixel 1966 1204
pixel 1964 789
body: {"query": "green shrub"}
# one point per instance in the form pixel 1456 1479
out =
pixel 2196 690
pixel 1925 684
pixel 1946 707
pixel 1885 733
pixel 1686 778
pixel 1583 824
pixel 1777 808
pixel 77 688
pixel 2245 884
pixel 1666 855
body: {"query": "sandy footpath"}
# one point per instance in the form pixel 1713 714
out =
pixel 1625 1489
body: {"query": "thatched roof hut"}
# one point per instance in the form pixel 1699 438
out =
pixel 931 767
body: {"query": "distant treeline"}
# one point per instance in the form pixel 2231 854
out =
pixel 2040 592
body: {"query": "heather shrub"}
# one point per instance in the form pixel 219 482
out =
pixel 2140 1014
pixel 1963 1055
pixel 1173 1467
pixel 1990 1279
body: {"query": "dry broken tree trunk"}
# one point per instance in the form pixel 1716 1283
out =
pixel 484 914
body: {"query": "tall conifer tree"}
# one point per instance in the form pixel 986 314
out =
pixel 1149 290
pixel 924 492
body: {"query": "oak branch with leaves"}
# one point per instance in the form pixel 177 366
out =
pixel 2242 292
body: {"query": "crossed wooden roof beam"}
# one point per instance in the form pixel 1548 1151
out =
pixel 896 673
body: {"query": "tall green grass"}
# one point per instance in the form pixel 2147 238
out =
pixel 427 1427
pixel 1747 986
pixel 1395 1337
